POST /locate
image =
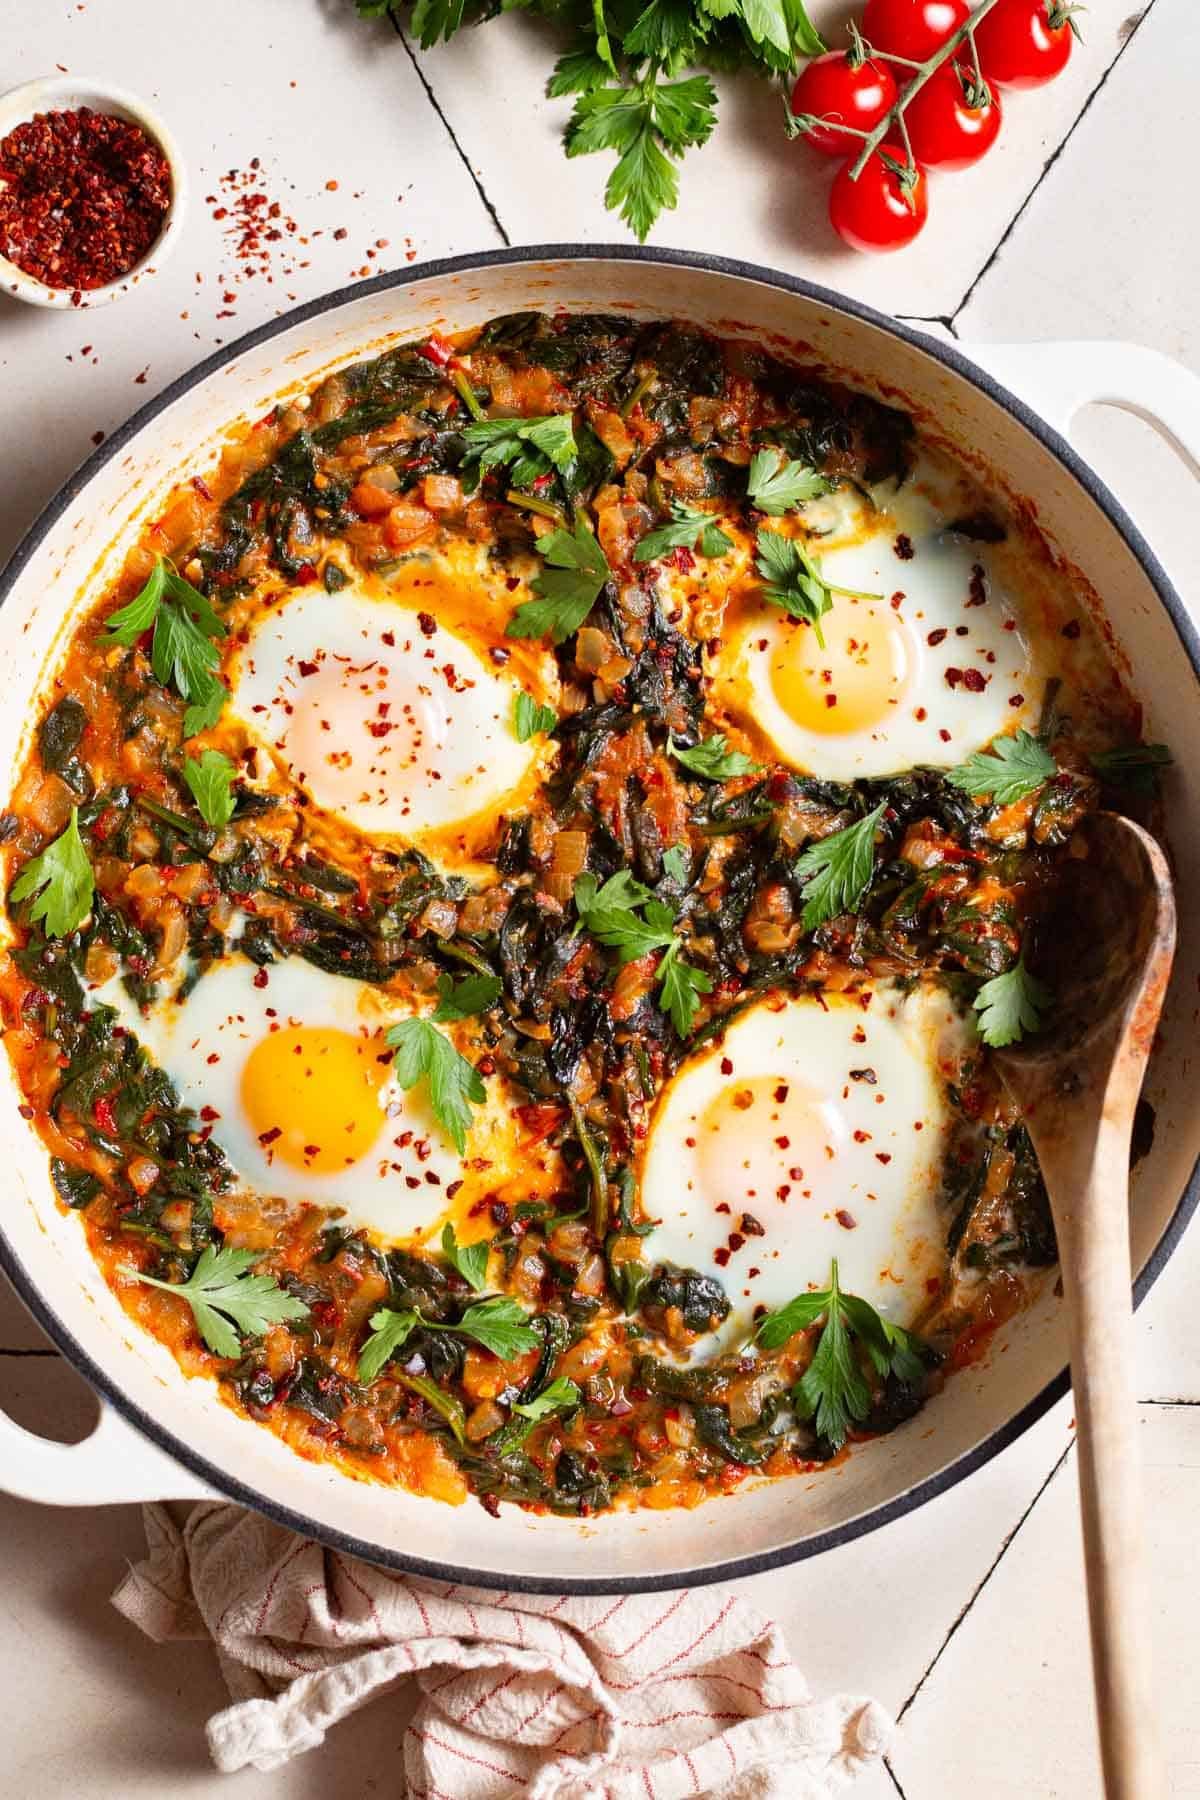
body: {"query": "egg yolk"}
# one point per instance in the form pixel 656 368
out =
pixel 857 680
pixel 760 1137
pixel 312 1096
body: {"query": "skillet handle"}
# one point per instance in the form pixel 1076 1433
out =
pixel 1057 379
pixel 116 1463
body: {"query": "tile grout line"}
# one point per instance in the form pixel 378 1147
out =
pixel 1049 164
pixel 987 1576
pixel 894 1780
pixel 463 157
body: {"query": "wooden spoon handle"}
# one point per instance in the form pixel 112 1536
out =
pixel 1096 1273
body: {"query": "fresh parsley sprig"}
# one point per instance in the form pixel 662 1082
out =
pixel 561 1396
pixel 775 485
pixel 499 1325
pixel 471 1260
pixel 626 917
pixel 454 1085
pixel 529 448
pixel 837 869
pixel 464 999
pixel 689 529
pixel 1008 770
pixel 183 651
pixel 1011 1005
pixel 228 1302
pixel 567 588
pixel 793 580
pixel 712 758
pixel 530 718
pixel 211 781
pixel 833 1390
pixel 61 881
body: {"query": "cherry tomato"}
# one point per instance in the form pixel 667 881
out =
pixel 831 87
pixel 913 28
pixel 946 131
pixel 879 211
pixel 1023 43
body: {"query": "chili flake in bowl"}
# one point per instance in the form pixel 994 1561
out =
pixel 91 193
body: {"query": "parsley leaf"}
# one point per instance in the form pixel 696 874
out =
pixel 501 1326
pixel 675 862
pixel 389 1333
pixel 462 999
pixel 227 1301
pixel 183 653
pixel 211 782
pixel 1134 766
pixel 680 987
pixel 558 1397
pixel 833 1389
pixel 1010 1005
pixel 423 1053
pixel 792 579
pixel 530 719
pixel 689 529
pixel 712 758
pixel 649 123
pixel 61 878
pixel 1012 767
pixel 532 446
pixel 611 914
pixel 567 589
pixel 776 485
pixel 471 1260
pixel 837 869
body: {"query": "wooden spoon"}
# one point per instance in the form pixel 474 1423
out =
pixel 1107 955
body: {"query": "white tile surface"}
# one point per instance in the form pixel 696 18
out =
pixel 1008 1710
pixel 287 82
pixel 1101 249
pixel 749 192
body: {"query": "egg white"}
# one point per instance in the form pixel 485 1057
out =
pixel 382 715
pixel 926 659
pixel 396 1178
pixel 825 1121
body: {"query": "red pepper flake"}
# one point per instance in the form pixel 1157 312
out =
pixel 1016 699
pixel 937 637
pixel 944 735
pixel 883 1156
pixel 260 978
pixel 920 715
pixel 978 587
pixel 781 1093
pixel 306 668
pixel 268 1137
pixel 105 1117
pixel 831 699
pixel 427 622
pixel 83 196
pixel 953 677
pixel 974 680
pixel 721 1257
pixel 98 437
pixel 726 1066
pixel 1071 629
pixel 208 1114
pixel 903 547
pixel 846 1220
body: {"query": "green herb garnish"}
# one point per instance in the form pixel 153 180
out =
pixel 471 1260
pixel 211 782
pixel 712 758
pixel 833 1390
pixel 690 529
pixel 625 916
pixel 1008 770
pixel 228 1302
pixel 499 1325
pixel 776 485
pixel 463 999
pixel 61 878
pixel 1010 1005
pixel 793 580
pixel 837 870
pixel 533 447
pixel 183 653
pixel 423 1053
pixel 567 589
pixel 530 719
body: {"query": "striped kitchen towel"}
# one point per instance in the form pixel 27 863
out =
pixel 517 1696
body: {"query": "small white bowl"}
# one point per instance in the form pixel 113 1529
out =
pixel 67 93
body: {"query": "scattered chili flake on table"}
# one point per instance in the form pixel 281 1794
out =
pixel 83 196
